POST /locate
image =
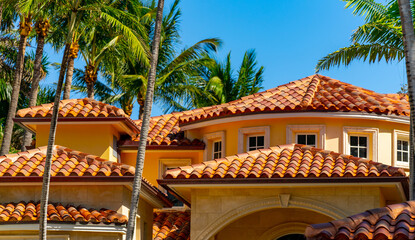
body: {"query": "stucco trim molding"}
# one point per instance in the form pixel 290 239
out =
pixel 267 203
pixel 284 229
pixel 319 130
pixel 243 132
pixel 373 132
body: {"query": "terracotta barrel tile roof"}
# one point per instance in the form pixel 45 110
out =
pixel 313 93
pixel 73 108
pixel 391 222
pixel 288 161
pixel 171 225
pixel 29 212
pixel 165 131
pixel 65 162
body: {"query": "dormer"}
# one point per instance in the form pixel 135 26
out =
pixel 80 123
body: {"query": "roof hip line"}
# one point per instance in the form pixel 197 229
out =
pixel 311 90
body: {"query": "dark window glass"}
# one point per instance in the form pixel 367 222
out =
pixel 354 141
pixel 354 151
pixel 217 149
pixel 260 141
pixel 399 145
pixel 363 152
pixel 252 142
pixel 311 140
pixel 399 156
pixel 405 145
pixel 363 141
pixel 301 139
pixel 405 157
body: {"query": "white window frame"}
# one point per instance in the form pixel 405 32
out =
pixel 209 139
pixel 253 135
pixel 250 131
pixel 221 148
pixel 399 135
pixel 319 130
pixel 306 134
pixel 165 163
pixel 359 147
pixel 363 132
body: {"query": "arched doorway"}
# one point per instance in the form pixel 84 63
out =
pixel 294 236
pixel 272 224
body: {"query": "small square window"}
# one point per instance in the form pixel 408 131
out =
pixel 307 139
pixel 256 142
pixel 217 149
pixel 358 146
pixel 402 151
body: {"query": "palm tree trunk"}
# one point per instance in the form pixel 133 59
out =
pixel 140 110
pixel 73 53
pixel 8 128
pixel 90 87
pixel 1 13
pixel 146 123
pixel 69 76
pixel 37 76
pixel 48 162
pixel 409 47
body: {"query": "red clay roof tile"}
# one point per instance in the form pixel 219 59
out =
pixel 73 108
pixel 29 212
pixel 313 93
pixel 391 222
pixel 288 161
pixel 65 162
pixel 171 225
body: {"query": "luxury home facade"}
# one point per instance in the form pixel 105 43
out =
pixel 268 166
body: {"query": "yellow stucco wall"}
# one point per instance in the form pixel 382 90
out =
pixel 96 139
pixel 154 157
pixel 334 133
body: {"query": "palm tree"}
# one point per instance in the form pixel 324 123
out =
pixel 125 88
pixel 42 27
pixel 24 30
pixel 146 123
pixel 379 38
pixel 218 84
pixel 78 14
pixel 73 53
pixel 409 44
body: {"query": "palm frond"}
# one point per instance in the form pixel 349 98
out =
pixel 370 9
pixel 370 52
pixel 379 32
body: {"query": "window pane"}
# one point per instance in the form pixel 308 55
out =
pixel 363 141
pixel 252 141
pixel 353 141
pixel 399 156
pixel 363 152
pixel 354 151
pixel 405 145
pixel 399 145
pixel 311 140
pixel 405 157
pixel 260 141
pixel 301 139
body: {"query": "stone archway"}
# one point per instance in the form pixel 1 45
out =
pixel 280 201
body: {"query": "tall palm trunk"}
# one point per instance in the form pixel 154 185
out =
pixel 140 109
pixel 73 53
pixel 409 47
pixel 146 123
pixel 25 28
pixel 42 27
pixel 48 162
pixel 1 13
pixel 53 124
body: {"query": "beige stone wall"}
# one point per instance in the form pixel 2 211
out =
pixel 216 208
pixel 269 223
pixel 114 197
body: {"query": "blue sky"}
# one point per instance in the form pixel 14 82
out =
pixel 288 36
